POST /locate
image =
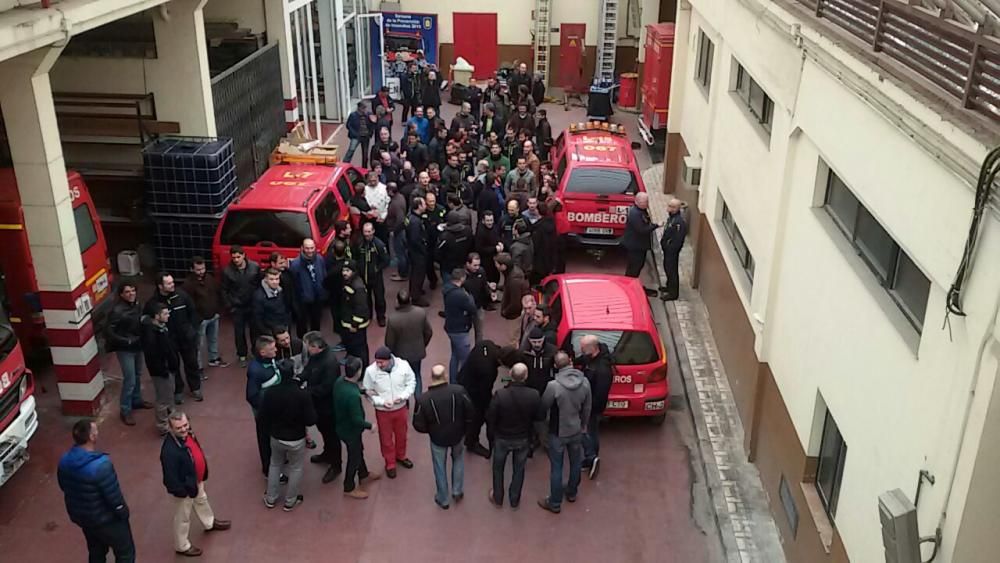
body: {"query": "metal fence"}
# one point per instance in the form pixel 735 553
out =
pixel 963 63
pixel 250 108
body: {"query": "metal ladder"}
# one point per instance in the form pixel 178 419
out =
pixel 607 41
pixel 542 33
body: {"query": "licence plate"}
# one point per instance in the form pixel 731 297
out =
pixel 101 285
pixel 600 231
pixel 655 405
pixel 617 404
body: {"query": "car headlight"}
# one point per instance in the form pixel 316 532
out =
pixel 22 390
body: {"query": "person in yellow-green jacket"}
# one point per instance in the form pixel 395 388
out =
pixel 351 423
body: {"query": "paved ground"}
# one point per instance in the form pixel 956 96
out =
pixel 650 502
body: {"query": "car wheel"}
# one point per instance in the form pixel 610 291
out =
pixel 659 419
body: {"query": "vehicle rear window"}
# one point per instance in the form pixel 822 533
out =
pixel 627 347
pixel 602 181
pixel 251 227
pixel 86 234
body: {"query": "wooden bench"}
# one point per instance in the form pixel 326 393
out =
pixel 118 119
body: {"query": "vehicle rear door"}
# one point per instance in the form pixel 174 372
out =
pixel 635 355
pixel 350 178
pixel 263 231
pixel 596 199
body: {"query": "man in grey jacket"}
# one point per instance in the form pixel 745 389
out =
pixel 567 399
pixel 408 333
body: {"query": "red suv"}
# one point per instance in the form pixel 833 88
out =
pixel 598 178
pixel 287 204
pixel 616 310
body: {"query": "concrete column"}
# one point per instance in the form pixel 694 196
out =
pixel 179 77
pixel 29 115
pixel 279 30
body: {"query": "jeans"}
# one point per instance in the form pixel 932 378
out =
pixel 419 388
pixel 288 458
pixel 520 449
pixel 353 146
pixel 356 467
pixel 164 388
pixel 131 363
pixel 208 333
pixel 241 324
pixel 116 536
pixel 439 458
pixel 592 440
pixel 399 253
pixel 557 447
pixel 461 345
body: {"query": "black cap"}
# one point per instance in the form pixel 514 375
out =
pixel 383 353
pixel 536 334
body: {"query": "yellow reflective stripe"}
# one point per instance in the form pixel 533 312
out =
pixel 15 319
pixel 94 277
pixel 358 319
pixel 11 227
pixel 364 324
pixel 349 289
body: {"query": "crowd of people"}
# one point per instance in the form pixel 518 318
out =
pixel 467 207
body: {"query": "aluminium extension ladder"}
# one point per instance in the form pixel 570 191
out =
pixel 607 41
pixel 542 33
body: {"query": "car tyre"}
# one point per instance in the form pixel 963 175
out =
pixel 659 419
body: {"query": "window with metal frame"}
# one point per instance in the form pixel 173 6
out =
pixel 757 102
pixel 908 287
pixel 830 469
pixel 743 254
pixel 706 54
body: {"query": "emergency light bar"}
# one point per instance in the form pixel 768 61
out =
pixel 597 126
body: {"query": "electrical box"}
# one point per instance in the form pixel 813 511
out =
pixel 692 171
pixel 900 535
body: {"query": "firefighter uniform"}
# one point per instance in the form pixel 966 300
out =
pixel 357 317
pixel 672 242
pixel 372 258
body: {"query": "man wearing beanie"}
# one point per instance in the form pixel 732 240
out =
pixel 389 383
pixel 285 412
pixel 445 412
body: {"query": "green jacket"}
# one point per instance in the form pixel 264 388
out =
pixel 349 413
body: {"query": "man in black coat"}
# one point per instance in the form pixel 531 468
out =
pixel 183 324
pixel 94 499
pixel 319 376
pixel 445 413
pixel 162 360
pixel 239 280
pixel 357 315
pixel 418 249
pixel 453 245
pixel 672 242
pixel 477 376
pixel 286 410
pixel 638 228
pixel 543 135
pixel 270 308
pixel 597 366
pixel 124 337
pixel 372 257
pixel 510 420
pixel 185 470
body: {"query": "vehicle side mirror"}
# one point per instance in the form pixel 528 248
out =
pixel 636 145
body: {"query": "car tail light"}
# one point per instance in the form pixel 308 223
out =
pixel 658 374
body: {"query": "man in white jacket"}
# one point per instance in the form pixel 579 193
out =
pixel 389 383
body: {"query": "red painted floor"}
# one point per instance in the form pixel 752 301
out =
pixel 639 509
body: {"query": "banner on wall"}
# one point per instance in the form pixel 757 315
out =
pixel 407 36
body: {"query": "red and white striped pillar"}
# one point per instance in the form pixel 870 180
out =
pixel 291 113
pixel 75 356
pixel 36 150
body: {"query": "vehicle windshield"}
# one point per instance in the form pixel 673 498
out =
pixel 251 227
pixel 627 347
pixel 602 181
pixel 86 234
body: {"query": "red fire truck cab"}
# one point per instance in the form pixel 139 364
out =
pixel 18 418
pixel 616 310
pixel 287 204
pixel 16 262
pixel 598 178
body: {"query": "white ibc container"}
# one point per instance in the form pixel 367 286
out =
pixel 128 263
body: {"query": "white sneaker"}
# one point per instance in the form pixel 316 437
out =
pixel 594 468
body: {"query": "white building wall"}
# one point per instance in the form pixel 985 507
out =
pixel 830 333
pixel 248 13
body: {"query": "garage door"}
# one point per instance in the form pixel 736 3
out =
pixel 476 42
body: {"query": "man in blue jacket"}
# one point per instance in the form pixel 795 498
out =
pixel 94 500
pixel 261 374
pixel 359 131
pixel 309 271
pixel 638 228
pixel 459 312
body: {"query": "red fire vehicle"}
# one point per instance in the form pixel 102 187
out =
pixel 16 261
pixel 287 204
pixel 656 81
pixel 598 178
pixel 616 310
pixel 18 419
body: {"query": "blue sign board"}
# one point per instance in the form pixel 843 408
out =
pixel 404 34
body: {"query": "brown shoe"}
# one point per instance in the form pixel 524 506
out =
pixel 128 419
pixel 191 552
pixel 357 493
pixel 372 476
pixel 220 525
